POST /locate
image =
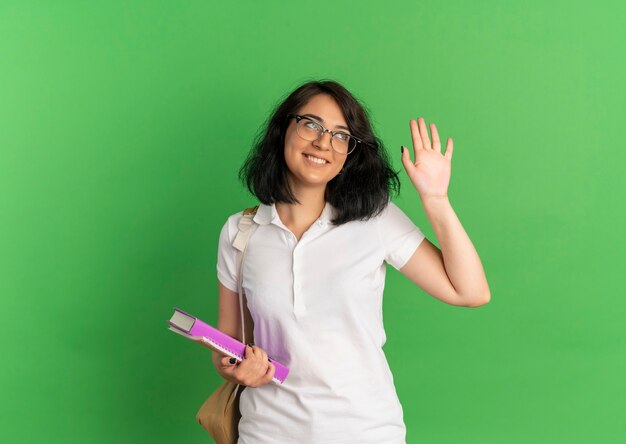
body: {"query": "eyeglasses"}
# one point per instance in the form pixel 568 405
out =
pixel 309 129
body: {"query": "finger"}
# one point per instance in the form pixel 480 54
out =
pixel 264 357
pixel 227 361
pixel 227 368
pixel 239 372
pixel 435 135
pixel 258 351
pixel 269 375
pixel 424 133
pixel 406 161
pixel 449 148
pixel 249 351
pixel 415 135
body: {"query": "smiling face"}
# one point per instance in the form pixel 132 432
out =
pixel 315 163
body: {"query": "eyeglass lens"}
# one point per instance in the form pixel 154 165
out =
pixel 310 130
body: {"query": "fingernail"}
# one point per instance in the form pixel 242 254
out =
pixel 232 360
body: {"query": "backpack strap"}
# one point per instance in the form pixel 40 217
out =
pixel 246 226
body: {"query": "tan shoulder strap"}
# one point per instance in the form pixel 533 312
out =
pixel 251 210
pixel 245 225
pixel 246 228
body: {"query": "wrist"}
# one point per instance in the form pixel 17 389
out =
pixel 437 207
pixel 435 200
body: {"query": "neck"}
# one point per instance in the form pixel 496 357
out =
pixel 299 217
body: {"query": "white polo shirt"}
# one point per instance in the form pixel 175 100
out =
pixel 317 308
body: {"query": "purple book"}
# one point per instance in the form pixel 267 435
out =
pixel 198 331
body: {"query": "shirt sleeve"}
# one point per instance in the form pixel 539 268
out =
pixel 399 236
pixel 227 256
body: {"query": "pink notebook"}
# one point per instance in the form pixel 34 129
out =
pixel 198 331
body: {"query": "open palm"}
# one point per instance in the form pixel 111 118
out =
pixel 430 173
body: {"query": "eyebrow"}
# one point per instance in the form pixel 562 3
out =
pixel 322 120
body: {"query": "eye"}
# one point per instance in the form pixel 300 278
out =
pixel 342 136
pixel 312 125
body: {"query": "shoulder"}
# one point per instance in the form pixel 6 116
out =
pixel 231 226
pixel 390 212
pixel 393 218
pixel 233 219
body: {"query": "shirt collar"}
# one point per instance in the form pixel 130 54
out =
pixel 327 214
pixel 267 214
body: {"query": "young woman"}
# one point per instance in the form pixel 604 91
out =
pixel 314 271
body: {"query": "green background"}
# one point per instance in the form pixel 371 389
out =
pixel 123 124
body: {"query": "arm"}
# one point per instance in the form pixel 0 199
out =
pixel 453 274
pixel 255 370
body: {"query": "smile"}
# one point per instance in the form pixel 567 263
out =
pixel 316 160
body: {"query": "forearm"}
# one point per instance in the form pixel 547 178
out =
pixel 461 261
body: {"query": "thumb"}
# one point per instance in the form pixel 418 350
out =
pixel 228 363
pixel 406 160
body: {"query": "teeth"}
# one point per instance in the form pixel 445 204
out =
pixel 315 159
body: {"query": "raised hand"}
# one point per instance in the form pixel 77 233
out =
pixel 430 173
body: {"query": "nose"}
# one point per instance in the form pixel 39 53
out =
pixel 322 142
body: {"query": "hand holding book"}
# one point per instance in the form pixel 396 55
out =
pixel 252 366
pixel 254 371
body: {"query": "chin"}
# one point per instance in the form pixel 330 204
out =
pixel 311 181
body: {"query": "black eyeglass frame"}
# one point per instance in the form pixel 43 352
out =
pixel 332 133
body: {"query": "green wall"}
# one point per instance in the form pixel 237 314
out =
pixel 123 124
